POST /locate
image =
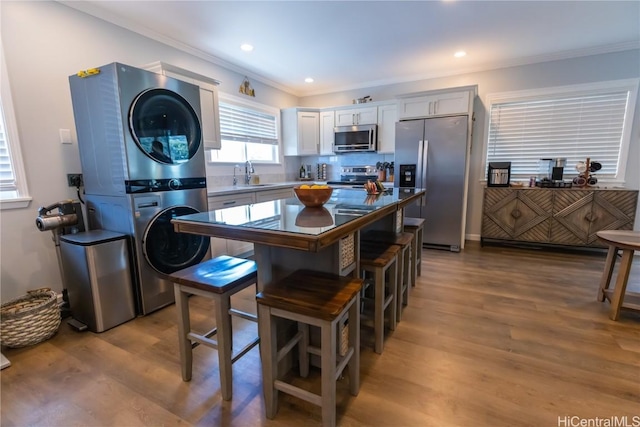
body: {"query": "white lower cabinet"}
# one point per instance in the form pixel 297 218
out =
pixel 281 193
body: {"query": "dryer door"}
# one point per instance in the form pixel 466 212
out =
pixel 168 251
pixel 165 126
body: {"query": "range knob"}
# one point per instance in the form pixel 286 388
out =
pixel 174 184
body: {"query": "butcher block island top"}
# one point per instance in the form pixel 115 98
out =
pixel 287 223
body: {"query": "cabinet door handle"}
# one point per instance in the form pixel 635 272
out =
pixel 435 107
pixel 430 107
pixel 516 213
pixel 589 217
pixel 232 202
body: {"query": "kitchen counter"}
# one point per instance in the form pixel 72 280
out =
pixel 287 223
pixel 242 188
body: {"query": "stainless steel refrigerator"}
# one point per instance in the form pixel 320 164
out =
pixel 433 154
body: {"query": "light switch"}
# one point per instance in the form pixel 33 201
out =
pixel 65 136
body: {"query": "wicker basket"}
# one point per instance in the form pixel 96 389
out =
pixel 29 319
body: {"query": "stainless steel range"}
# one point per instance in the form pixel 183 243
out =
pixel 355 176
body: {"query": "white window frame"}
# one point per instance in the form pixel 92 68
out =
pixel 589 88
pixel 13 142
pixel 235 100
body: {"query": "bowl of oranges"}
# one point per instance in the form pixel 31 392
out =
pixel 313 196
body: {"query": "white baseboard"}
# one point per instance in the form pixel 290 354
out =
pixel 472 237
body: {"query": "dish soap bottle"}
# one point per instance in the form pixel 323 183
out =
pixel 302 173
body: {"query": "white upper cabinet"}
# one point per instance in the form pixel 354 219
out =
pixel 300 131
pixel 357 116
pixel 327 122
pixel 387 118
pixel 209 108
pixel 438 104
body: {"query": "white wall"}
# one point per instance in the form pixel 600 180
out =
pixel 44 43
pixel 604 67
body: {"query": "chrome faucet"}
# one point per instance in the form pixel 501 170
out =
pixel 248 170
pixel 235 180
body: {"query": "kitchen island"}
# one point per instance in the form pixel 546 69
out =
pixel 288 236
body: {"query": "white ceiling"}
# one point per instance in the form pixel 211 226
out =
pixel 353 44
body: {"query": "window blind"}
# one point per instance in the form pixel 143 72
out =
pixel 7 176
pixel 242 124
pixel 571 126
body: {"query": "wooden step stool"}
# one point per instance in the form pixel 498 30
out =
pixel 405 263
pixel 218 279
pixel 381 260
pixel 317 299
pixel 416 226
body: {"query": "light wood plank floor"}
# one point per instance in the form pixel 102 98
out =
pixel 492 336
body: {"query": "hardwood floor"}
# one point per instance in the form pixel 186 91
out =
pixel 492 336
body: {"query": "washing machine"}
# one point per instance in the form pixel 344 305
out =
pixel 157 249
pixel 135 125
pixel 140 142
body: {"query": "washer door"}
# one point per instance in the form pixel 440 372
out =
pixel 168 251
pixel 165 126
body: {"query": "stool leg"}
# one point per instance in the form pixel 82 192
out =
pixel 184 327
pixel 419 254
pixel 328 366
pixel 621 284
pixel 414 259
pixel 400 283
pixel 303 351
pixel 268 355
pixel 378 321
pixel 408 263
pixel 393 289
pixel 354 341
pixel 223 323
pixel 608 272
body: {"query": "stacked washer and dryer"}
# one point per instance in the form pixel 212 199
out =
pixel 140 143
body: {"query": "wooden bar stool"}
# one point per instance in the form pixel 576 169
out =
pixel 628 242
pixel 415 226
pixel 317 299
pixel 381 260
pixel 218 279
pixel 405 256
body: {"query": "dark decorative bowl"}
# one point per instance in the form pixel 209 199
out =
pixel 314 217
pixel 313 197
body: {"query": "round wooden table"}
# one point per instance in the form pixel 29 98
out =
pixel 628 242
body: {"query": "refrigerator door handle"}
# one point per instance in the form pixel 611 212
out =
pixel 424 160
pixel 421 168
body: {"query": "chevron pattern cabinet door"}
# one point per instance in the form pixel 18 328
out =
pixel 612 210
pixel 513 214
pixel 579 214
pixel 571 217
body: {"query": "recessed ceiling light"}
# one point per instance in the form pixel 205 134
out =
pixel 308 80
pixel 460 54
pixel 246 47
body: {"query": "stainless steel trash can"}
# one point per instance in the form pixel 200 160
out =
pixel 97 276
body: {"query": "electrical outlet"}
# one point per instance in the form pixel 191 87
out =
pixel 75 180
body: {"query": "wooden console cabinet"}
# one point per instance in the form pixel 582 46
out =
pixel 559 216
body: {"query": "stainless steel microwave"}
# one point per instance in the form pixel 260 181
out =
pixel 348 139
